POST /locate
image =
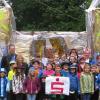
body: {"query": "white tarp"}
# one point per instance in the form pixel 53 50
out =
pixel 90 21
pixel 57 85
pixel 24 43
pixel 6 14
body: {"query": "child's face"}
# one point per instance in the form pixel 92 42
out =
pixel 57 69
pixel 73 70
pixel 36 65
pixel 93 69
pixel 49 67
pixel 87 69
pixel 32 73
pixel 14 65
pixel 65 67
pixel 98 60
pixel 2 74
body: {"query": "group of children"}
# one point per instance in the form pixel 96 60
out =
pixel 84 79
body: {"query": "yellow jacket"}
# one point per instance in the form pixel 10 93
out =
pixel 11 74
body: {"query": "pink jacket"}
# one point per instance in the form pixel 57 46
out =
pixel 48 73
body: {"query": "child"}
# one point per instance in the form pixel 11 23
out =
pixel 65 73
pixel 17 83
pixel 58 74
pixel 58 70
pixel 95 71
pixel 81 65
pixel 65 70
pixel 48 71
pixel 11 73
pixel 98 60
pixel 98 83
pixel 35 67
pixel 74 83
pixel 32 86
pixel 3 84
pixel 86 83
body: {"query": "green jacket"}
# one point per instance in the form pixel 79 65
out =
pixel 86 83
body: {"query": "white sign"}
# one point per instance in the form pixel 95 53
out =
pixel 57 85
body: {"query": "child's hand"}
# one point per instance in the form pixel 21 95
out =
pixel 25 91
pixel 36 91
pixel 43 79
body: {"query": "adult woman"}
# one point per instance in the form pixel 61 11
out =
pixel 21 63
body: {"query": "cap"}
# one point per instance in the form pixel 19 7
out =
pixel 12 62
pixel 73 66
pixel 64 64
pixel 3 70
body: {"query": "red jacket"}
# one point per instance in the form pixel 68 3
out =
pixel 32 86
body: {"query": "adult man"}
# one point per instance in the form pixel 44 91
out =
pixel 11 56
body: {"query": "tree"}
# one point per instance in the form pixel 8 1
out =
pixel 50 15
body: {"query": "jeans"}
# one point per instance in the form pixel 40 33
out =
pixel 31 96
pixel 19 96
pixel 95 95
pixel 3 98
pixel 86 96
pixel 73 96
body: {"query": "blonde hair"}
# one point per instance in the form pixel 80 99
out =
pixel 19 56
pixel 86 66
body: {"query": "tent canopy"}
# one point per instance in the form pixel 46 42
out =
pixel 90 20
pixel 94 4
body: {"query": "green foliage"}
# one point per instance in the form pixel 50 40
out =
pixel 50 15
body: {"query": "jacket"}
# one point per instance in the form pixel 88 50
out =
pixel 11 73
pixel 17 84
pixel 86 83
pixel 96 86
pixel 6 59
pixel 3 85
pixel 74 83
pixel 64 73
pixel 98 81
pixel 32 85
pixel 48 73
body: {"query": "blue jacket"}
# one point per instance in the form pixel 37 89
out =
pixel 96 87
pixel 64 73
pixel 97 82
pixel 74 83
pixel 3 85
